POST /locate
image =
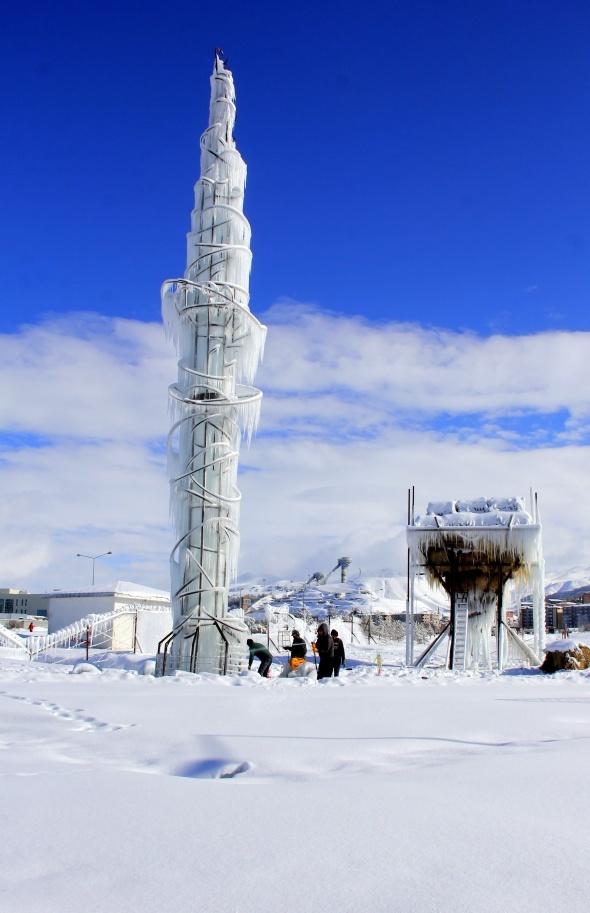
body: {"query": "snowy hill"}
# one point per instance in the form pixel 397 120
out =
pixel 363 595
pixel 570 581
pixel 378 594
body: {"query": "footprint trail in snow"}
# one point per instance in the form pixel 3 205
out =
pixel 85 722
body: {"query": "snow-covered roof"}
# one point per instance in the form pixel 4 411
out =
pixel 495 529
pixel 119 588
pixel 501 512
pixel 126 588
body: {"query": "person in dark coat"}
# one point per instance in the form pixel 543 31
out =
pixel 325 648
pixel 339 654
pixel 298 648
pixel 259 651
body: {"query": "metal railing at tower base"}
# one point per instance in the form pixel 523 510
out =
pixel 230 656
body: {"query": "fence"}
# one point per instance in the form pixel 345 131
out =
pixel 130 629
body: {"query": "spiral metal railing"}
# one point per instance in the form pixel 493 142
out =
pixel 213 402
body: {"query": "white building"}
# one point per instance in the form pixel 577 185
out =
pixel 143 614
pixel 19 604
pixel 66 607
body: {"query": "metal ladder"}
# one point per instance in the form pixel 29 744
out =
pixel 460 632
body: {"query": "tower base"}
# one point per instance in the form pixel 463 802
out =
pixel 206 645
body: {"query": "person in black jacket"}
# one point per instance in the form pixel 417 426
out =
pixel 339 654
pixel 298 648
pixel 325 648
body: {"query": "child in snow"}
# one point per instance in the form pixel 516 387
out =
pixel 259 651
pixel 339 654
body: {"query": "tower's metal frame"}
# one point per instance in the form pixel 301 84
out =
pixel 220 344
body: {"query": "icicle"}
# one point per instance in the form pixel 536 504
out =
pixel 477 547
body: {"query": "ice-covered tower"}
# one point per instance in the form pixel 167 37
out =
pixel 220 344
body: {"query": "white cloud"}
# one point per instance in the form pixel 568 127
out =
pixel 310 501
pixel 86 377
pixel 57 500
pixel 349 420
pixel 425 370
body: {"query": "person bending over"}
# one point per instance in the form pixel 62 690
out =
pixel 259 651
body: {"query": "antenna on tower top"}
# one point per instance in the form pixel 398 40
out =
pixel 219 55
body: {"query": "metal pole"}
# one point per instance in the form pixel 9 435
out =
pixel 93 558
pixel 499 621
pixel 408 631
pixel 412 601
pixel 452 615
pixel 87 641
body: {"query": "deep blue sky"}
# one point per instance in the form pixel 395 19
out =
pixel 419 161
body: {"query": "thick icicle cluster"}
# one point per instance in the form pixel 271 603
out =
pixel 499 528
pixel 220 344
pixel 475 548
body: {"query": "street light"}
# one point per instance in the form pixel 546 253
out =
pixel 93 559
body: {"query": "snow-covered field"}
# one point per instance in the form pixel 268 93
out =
pixel 402 792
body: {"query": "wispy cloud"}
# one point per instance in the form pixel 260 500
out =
pixel 353 413
pixel 425 371
pixel 85 377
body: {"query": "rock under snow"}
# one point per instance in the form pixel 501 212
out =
pixel 564 655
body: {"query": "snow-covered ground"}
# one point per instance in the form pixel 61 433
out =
pixel 402 792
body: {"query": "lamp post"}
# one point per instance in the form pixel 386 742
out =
pixel 93 559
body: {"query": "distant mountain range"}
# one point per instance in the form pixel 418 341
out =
pixel 572 582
